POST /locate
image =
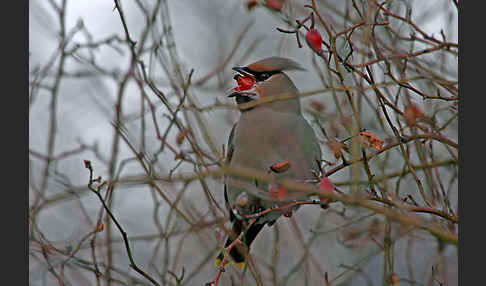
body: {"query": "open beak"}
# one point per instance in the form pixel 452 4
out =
pixel 245 83
pixel 241 71
pixel 233 94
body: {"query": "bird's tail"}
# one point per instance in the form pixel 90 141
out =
pixel 236 252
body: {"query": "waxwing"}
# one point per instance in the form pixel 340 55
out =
pixel 268 135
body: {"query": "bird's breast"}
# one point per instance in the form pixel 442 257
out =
pixel 265 138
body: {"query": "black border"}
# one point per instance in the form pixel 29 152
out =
pixel 15 132
pixel 471 122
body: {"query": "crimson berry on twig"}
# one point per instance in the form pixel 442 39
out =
pixel 314 40
pixel 326 186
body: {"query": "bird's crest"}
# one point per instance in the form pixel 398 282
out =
pixel 275 64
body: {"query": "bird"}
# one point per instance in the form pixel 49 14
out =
pixel 272 137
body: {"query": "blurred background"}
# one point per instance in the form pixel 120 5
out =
pixel 135 91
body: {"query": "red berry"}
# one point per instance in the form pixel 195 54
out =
pixel 326 186
pixel 276 5
pixel 244 83
pixel 314 40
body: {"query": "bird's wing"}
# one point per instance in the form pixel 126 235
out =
pixel 310 143
pixel 231 147
pixel 229 155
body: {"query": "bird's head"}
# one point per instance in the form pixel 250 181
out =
pixel 264 79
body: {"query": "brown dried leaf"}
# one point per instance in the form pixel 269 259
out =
pixel 412 113
pixel 179 156
pixel 280 167
pixel 250 4
pixel 100 226
pixel 336 147
pixel 182 134
pixel 317 106
pixel 372 139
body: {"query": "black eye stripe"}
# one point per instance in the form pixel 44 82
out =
pixel 261 76
pixel 264 76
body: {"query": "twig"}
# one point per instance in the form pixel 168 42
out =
pixel 123 233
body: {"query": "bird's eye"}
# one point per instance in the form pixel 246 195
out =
pixel 264 76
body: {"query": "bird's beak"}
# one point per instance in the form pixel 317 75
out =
pixel 233 94
pixel 236 91
pixel 241 71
